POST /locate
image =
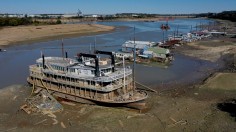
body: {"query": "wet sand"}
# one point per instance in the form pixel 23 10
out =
pixel 29 34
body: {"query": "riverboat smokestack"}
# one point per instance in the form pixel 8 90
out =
pixel 43 61
pixel 97 73
pixel 62 48
pixel 66 55
pixel 112 57
pixel 113 62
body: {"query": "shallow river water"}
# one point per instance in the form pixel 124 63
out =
pixel 14 63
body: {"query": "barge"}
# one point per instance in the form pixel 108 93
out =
pixel 87 79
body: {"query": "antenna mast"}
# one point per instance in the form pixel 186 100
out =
pixel 95 41
pixel 124 69
pixel 134 55
pixel 62 48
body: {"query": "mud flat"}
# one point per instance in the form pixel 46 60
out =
pixel 214 48
pixel 192 109
pixel 221 81
pixel 210 50
pixel 29 34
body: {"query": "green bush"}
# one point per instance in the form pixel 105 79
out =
pixel 6 21
pixel 58 21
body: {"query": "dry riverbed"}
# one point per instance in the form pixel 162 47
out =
pixel 210 50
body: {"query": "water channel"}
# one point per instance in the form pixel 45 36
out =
pixel 14 63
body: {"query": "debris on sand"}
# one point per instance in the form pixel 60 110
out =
pixel 68 103
pixel 63 125
pixel 55 121
pixel 42 102
pixel 121 123
pixel 40 122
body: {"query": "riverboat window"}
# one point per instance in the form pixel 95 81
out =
pixel 40 65
pixel 92 72
pixel 79 72
pixel 93 83
pixel 55 67
pixel 106 70
pixel 58 68
pixel 55 76
pixel 46 74
pixel 72 70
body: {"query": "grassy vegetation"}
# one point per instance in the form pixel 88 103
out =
pixel 221 81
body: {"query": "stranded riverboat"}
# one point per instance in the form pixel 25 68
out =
pixel 86 79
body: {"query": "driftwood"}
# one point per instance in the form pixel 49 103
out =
pixel 25 108
pixel 10 129
pixel 55 121
pixel 121 123
pixel 40 122
pixel 177 122
pixel 68 103
pixel 63 125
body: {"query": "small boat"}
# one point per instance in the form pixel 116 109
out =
pixel 2 50
pixel 87 79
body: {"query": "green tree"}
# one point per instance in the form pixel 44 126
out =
pixel 13 22
pixel 58 21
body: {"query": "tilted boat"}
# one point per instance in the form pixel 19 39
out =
pixel 86 79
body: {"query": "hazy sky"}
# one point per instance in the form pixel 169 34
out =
pixel 115 6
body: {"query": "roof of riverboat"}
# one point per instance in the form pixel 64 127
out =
pixel 68 62
pixel 59 61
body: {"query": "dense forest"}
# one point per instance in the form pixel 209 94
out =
pixel 225 15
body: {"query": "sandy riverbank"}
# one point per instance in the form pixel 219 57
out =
pixel 28 34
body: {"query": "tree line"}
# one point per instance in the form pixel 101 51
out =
pixel 225 15
pixel 14 21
